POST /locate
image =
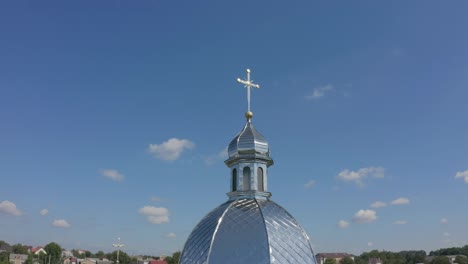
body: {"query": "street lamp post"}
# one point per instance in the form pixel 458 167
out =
pixel 118 245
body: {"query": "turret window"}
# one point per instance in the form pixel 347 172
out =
pixel 260 187
pixel 234 180
pixel 246 178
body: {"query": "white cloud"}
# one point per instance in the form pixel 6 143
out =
pixel 9 208
pixel 171 235
pixel 462 174
pixel 378 204
pixel 446 234
pixel 319 92
pixel 401 201
pixel 171 149
pixel 365 216
pixel 370 244
pixel 112 174
pixel 400 222
pixel 155 215
pixel 343 224
pixel 61 223
pixel 359 175
pixel 444 220
pixel 309 184
pixel 44 211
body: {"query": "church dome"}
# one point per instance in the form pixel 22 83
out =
pixel 249 227
pixel 249 141
pixel 248 230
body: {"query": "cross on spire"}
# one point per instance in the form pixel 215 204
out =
pixel 247 84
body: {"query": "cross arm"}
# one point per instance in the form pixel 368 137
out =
pixel 248 83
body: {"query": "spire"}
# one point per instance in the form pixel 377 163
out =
pixel 249 156
pixel 247 84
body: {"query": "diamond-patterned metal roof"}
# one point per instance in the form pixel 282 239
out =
pixel 248 231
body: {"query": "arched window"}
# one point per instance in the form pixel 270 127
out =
pixel 246 178
pixel 260 187
pixel 234 180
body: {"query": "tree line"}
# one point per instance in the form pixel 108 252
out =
pixel 450 251
pixel 408 257
pixel 387 257
pixel 54 255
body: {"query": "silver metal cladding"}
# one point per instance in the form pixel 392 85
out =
pixel 248 141
pixel 248 231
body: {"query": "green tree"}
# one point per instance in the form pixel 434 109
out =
pixel 42 258
pixel 360 260
pixel 3 243
pixel 346 260
pixel 413 256
pixel 440 260
pixel 330 261
pixel 30 259
pixel 19 249
pixel 54 252
pixel 461 260
pixel 169 260
pixel 176 257
pixel 123 257
pixel 100 254
pixel 4 257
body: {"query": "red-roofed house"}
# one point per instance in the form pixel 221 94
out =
pixel 157 262
pixel 38 250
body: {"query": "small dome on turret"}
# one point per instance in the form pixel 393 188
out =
pixel 248 142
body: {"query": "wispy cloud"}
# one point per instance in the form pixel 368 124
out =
pixel 361 174
pixel 44 211
pixel 444 220
pixel 319 92
pixel 343 224
pixel 155 215
pixel 171 235
pixel 112 174
pixel 365 216
pixel 447 234
pixel 400 201
pixel 170 150
pixel 378 204
pixel 220 156
pixel 462 174
pixel 156 199
pixel 309 184
pixel 400 222
pixel 62 223
pixel 370 244
pixel 9 208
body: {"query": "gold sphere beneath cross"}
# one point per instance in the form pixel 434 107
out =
pixel 248 115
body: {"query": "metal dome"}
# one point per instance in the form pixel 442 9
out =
pixel 248 230
pixel 248 141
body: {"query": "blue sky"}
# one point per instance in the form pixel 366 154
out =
pixel 114 116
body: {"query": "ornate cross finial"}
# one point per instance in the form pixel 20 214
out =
pixel 247 84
